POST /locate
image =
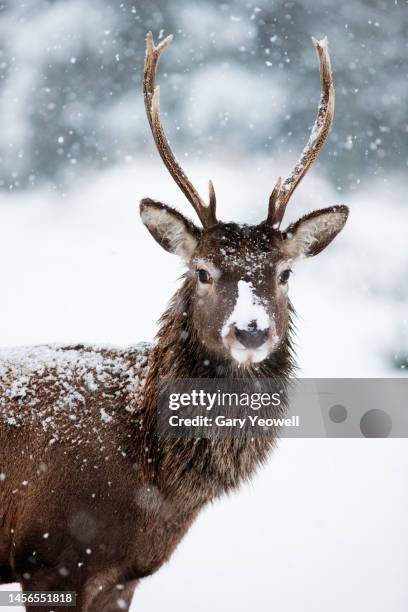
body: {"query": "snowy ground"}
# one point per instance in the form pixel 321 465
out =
pixel 323 527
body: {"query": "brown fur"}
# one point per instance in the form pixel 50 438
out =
pixel 113 497
pixel 91 497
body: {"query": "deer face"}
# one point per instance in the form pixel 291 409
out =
pixel 239 275
pixel 240 302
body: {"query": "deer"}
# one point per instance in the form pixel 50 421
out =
pixel 92 499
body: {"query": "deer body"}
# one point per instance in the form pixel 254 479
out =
pixel 92 498
pixel 66 518
pixel 73 418
pixel 70 426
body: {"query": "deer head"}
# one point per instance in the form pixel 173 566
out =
pixel 239 274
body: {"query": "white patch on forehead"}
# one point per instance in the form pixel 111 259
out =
pixel 248 308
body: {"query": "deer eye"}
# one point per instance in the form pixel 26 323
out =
pixel 204 276
pixel 284 276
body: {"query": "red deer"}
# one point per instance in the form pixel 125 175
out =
pixel 91 498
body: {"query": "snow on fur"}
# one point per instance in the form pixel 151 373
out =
pixel 248 310
pixel 51 385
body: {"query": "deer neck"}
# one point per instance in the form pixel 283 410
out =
pixel 209 467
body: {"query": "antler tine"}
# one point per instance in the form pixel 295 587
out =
pixel 272 201
pixel 206 213
pixel 318 137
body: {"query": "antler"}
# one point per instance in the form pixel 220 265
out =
pixel 282 192
pixel 206 213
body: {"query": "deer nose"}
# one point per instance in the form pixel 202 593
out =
pixel 251 338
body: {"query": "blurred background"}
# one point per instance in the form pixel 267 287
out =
pixel 239 93
pixel 240 88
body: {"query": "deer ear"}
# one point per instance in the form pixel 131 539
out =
pixel 169 228
pixel 313 232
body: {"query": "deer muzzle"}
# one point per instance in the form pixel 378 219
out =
pixel 251 338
